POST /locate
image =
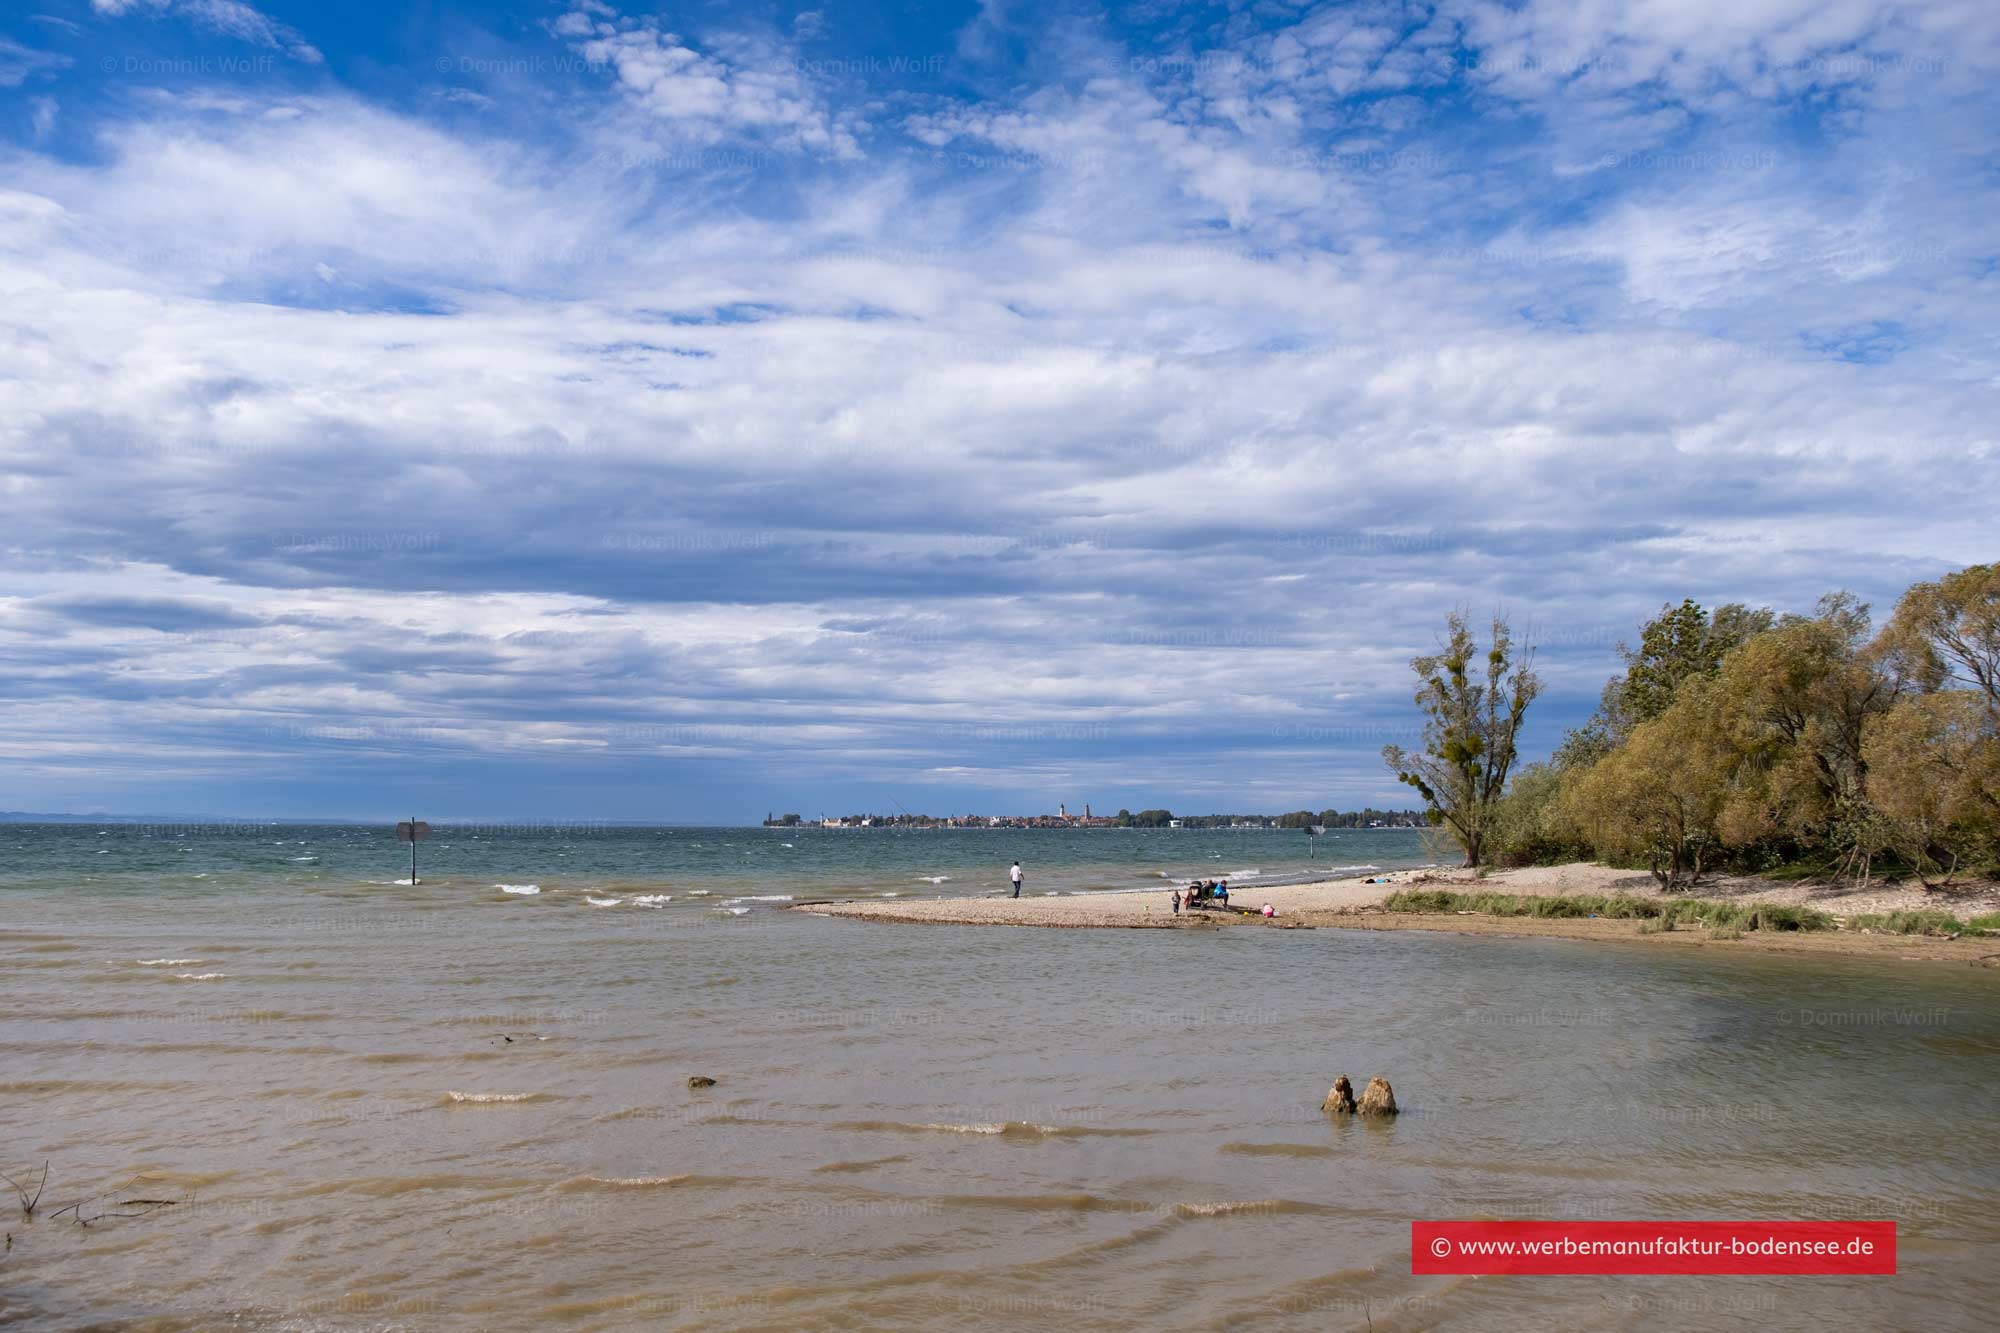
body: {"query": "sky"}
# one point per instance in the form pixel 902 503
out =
pixel 684 413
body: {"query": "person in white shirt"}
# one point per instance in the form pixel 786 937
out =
pixel 1015 875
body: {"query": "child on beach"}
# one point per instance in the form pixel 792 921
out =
pixel 1177 902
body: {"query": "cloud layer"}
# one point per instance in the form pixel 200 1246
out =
pixel 679 416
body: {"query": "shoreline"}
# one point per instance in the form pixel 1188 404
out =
pixel 1356 904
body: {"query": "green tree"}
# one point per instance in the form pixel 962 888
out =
pixel 1948 633
pixel 1793 703
pixel 1660 796
pixel 1934 761
pixel 1470 730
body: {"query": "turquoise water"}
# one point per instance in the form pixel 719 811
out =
pixel 570 858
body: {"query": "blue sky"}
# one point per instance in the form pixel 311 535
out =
pixel 680 413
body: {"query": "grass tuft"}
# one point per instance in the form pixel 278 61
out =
pixel 1919 921
pixel 1662 913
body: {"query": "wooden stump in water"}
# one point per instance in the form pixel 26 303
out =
pixel 1378 1098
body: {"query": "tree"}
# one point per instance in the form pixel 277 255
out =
pixel 1660 796
pixel 1935 764
pixel 1532 824
pixel 1948 633
pixel 1470 730
pixel 1152 818
pixel 1793 703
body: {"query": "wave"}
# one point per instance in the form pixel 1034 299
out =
pixel 759 898
pixel 602 902
pixel 1234 1208
pixel 1012 1129
pixel 1037 1203
pixel 1277 1149
pixel 514 888
pixel 199 976
pixel 305 858
pixel 869 1165
pixel 1251 873
pixel 653 899
pixel 737 911
pixel 493 1098
pixel 167 962
pixel 935 879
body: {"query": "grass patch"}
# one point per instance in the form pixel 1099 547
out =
pixel 1919 921
pixel 1656 925
pixel 1725 933
pixel 1661 912
pixel 1986 925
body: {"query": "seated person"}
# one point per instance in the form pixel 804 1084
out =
pixel 1222 892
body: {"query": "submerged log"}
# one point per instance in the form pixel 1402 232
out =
pixel 1378 1098
pixel 1340 1097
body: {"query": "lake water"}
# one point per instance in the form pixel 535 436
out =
pixel 386 1106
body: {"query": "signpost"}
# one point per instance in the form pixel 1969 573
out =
pixel 413 831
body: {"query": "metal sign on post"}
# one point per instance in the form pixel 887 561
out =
pixel 413 831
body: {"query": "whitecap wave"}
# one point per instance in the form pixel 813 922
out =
pixel 759 898
pixel 653 899
pixel 737 911
pixel 199 976
pixel 168 962
pixel 514 888
pixel 935 879
pixel 602 902
pixel 489 1098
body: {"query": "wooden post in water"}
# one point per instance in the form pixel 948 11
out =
pixel 411 832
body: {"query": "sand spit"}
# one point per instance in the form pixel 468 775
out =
pixel 1356 904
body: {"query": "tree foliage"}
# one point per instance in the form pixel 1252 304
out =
pixel 1473 704
pixel 1743 737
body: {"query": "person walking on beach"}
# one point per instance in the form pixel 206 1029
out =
pixel 1015 875
pixel 1177 902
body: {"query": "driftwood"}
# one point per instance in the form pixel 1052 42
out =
pixel 145 1207
pixel 28 1204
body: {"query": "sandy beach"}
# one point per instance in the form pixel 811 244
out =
pixel 1357 904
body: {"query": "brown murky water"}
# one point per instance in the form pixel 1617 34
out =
pixel 418 1108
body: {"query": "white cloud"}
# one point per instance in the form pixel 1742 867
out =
pixel 746 88
pixel 229 18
